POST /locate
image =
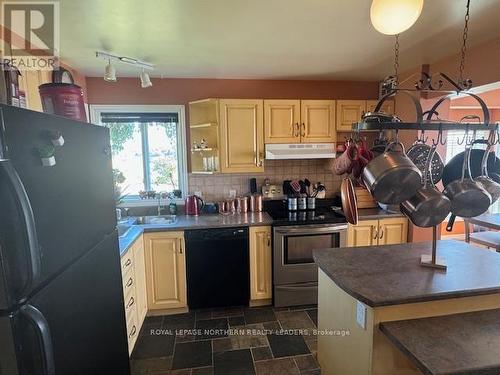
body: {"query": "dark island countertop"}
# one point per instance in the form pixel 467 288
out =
pixel 466 343
pixel 392 275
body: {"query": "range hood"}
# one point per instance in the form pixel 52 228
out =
pixel 300 151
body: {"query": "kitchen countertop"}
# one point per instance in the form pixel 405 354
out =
pixel 453 344
pixel 392 275
pixel 376 214
pixel 185 222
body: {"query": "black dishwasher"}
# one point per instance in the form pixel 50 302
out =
pixel 217 263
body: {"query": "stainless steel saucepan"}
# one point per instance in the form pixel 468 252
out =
pixel 484 179
pixel 428 207
pixel 392 177
pixel 468 198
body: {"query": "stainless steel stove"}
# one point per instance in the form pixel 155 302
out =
pixel 296 235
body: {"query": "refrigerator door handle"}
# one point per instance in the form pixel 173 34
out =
pixel 9 174
pixel 36 318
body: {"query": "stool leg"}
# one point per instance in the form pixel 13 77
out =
pixel 467 230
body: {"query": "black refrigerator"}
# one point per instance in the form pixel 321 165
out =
pixel 61 296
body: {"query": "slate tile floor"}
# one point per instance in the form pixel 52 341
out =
pixel 199 343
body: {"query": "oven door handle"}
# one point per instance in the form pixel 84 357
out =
pixel 315 230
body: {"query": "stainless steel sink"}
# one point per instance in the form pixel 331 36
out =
pixel 123 229
pixel 163 220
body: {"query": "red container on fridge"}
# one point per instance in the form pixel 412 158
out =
pixel 63 99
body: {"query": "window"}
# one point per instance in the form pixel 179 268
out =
pixel 455 137
pixel 148 149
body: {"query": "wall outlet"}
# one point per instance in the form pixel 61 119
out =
pixel 361 314
pixel 199 194
pixel 232 193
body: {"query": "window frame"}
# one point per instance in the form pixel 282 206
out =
pixel 95 117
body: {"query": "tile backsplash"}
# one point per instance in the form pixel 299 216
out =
pixel 214 187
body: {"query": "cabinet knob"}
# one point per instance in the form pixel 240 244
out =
pixel 303 134
pixel 297 129
pixel 381 233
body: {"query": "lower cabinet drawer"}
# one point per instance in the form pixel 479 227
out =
pixel 132 332
pixel 130 304
pixel 128 283
pixel 127 262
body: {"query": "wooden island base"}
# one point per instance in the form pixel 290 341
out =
pixel 369 351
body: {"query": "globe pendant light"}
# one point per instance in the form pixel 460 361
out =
pixel 392 17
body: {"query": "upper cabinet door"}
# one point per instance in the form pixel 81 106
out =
pixel 349 112
pixel 317 121
pixel 242 135
pixel 282 121
pixel 387 106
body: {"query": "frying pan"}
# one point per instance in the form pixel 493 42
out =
pixel 453 170
pixel 349 205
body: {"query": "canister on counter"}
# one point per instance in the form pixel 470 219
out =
pixel 256 203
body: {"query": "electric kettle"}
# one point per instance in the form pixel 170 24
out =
pixel 193 205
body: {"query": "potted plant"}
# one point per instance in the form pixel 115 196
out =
pixel 47 155
pixel 56 138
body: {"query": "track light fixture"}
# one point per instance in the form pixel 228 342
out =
pixel 110 72
pixel 145 80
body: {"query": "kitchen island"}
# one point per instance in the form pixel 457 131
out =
pixel 360 288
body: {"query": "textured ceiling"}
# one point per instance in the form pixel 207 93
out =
pixel 262 39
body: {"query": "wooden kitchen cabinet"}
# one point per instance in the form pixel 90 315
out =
pixel 387 106
pixel 134 290
pixel 388 231
pixel 299 121
pixel 317 121
pixel 282 121
pixel 350 111
pixel 140 280
pixel 165 270
pixel 260 265
pixel 29 82
pixel 242 135
pixel 363 234
pixel 393 231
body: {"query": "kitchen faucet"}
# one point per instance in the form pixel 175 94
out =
pixel 159 203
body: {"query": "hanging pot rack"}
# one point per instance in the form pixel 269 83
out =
pixel 438 83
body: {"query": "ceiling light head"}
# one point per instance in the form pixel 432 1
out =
pixel 145 80
pixel 392 17
pixel 110 73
